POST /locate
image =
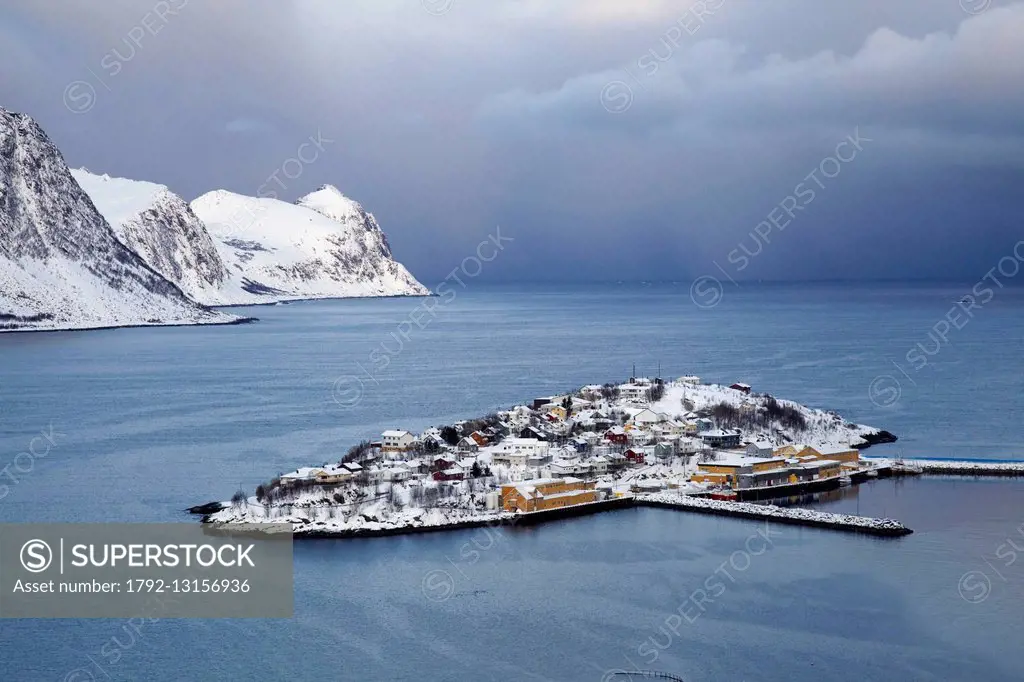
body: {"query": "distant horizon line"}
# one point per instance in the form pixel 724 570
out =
pixel 1008 283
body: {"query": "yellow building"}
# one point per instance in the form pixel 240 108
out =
pixel 548 493
pixel 842 453
pixel 727 471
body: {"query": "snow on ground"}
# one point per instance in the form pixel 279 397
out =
pixel 823 428
pixel 954 466
pixel 317 510
pixel 450 503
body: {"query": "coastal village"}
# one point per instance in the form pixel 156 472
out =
pixel 597 444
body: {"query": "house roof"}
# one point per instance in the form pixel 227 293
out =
pixel 395 434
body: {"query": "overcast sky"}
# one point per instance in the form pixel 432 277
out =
pixel 613 139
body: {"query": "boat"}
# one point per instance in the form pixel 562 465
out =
pixel 845 481
pixel 873 473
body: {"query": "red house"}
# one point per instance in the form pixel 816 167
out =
pixel 442 463
pixel 617 435
pixel 742 388
pixel 635 456
pixel 452 474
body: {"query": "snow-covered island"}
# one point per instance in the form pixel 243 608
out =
pixel 587 450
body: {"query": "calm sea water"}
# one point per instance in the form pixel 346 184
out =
pixel 148 422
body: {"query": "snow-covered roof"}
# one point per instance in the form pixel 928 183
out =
pixel 395 434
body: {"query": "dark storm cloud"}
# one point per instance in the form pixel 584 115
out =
pixel 447 122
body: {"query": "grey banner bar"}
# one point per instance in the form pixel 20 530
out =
pixel 170 570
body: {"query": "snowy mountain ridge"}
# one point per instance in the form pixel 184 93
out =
pixel 160 226
pixel 61 264
pixel 323 246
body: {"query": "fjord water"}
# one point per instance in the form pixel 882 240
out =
pixel 149 421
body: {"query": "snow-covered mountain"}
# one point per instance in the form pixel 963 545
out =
pixel 323 246
pixel 61 264
pixel 160 226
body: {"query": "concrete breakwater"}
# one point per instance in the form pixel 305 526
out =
pixel 788 515
pixel 954 467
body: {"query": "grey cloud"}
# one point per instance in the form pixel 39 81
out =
pixel 490 113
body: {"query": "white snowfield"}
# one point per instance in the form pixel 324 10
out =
pixel 323 246
pixel 823 428
pixel 61 264
pixel 315 511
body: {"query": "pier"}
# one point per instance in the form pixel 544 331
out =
pixel 953 467
pixel 788 515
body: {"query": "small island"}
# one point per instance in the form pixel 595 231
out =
pixel 677 443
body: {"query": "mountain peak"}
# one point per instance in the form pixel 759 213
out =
pixel 329 202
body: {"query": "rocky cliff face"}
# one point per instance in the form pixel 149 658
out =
pixel 160 226
pixel 61 264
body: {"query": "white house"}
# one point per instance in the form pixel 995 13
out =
pixel 599 465
pixel 690 379
pixel 647 416
pixel 303 474
pixel 396 441
pixel 397 474
pixel 760 448
pixel 633 392
pixel 526 446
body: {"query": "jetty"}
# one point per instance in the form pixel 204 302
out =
pixel 764 512
pixel 953 467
